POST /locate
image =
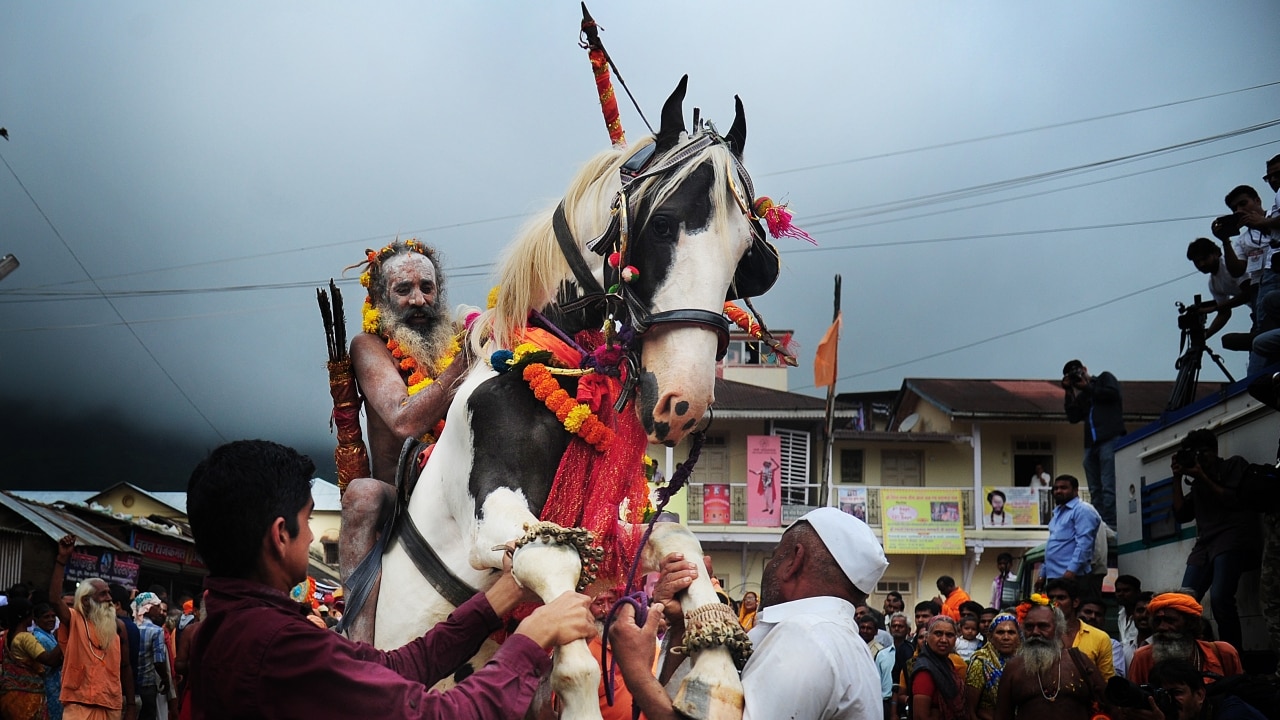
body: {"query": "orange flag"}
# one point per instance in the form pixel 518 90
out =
pixel 824 360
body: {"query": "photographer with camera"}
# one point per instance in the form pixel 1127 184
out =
pixel 1227 290
pixel 1248 229
pixel 1097 403
pixel 1227 535
pixel 1176 691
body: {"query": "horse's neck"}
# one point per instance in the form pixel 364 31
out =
pixel 574 321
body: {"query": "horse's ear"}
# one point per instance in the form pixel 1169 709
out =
pixel 737 136
pixel 672 118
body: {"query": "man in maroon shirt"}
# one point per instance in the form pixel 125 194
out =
pixel 257 656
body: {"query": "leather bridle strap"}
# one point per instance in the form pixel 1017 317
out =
pixel 715 322
pixel 569 249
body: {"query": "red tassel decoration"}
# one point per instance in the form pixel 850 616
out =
pixel 778 217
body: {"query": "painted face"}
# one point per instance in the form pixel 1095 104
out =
pixel 411 289
pixel 1005 638
pixel 1040 623
pixel 942 638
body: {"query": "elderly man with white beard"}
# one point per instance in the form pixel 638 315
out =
pixel 407 364
pixel 1046 680
pixel 97 679
pixel 1176 625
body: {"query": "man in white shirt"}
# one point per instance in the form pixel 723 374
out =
pixel 1004 579
pixel 808 660
pixel 1228 291
pixel 1128 592
pixel 1253 250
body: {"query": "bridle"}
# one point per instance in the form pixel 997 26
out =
pixel 622 302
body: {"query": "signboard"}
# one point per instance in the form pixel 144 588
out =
pixel 715 504
pixel 920 521
pixel 1009 507
pixel 854 502
pixel 764 472
pixel 111 567
pixel 158 547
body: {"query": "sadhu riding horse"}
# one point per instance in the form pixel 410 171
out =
pixel 604 337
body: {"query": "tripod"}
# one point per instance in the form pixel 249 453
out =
pixel 1192 347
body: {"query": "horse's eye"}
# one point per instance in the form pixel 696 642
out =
pixel 662 226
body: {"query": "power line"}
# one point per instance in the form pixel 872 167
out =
pixel 1010 333
pixel 1012 133
pixel 1036 178
pixel 1077 186
pixel 114 309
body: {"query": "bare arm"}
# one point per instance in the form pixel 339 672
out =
pixel 385 393
pixel 1004 699
pixel 65 546
pixel 633 648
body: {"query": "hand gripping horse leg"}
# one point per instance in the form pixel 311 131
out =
pixel 550 565
pixel 712 690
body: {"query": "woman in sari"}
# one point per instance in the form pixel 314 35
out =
pixel 987 665
pixel 937 677
pixel 46 620
pixel 22 669
pixel 747 611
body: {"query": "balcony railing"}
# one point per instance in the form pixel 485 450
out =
pixel 809 493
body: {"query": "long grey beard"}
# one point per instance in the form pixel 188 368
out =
pixel 1039 654
pixel 1172 646
pixel 425 346
pixel 102 616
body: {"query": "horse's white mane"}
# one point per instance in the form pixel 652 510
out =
pixel 534 268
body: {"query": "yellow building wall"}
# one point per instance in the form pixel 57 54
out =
pixel 128 501
pixel 324 523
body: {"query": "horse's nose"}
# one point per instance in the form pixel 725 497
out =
pixel 674 415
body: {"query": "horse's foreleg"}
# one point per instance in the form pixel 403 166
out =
pixel 712 690
pixel 551 569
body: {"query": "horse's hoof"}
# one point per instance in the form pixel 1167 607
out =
pixel 701 700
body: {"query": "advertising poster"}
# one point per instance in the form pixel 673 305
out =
pixel 854 502
pixel 764 465
pixel 1009 507
pixel 715 504
pixel 921 521
pixel 109 566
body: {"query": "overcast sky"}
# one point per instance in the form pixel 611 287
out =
pixel 986 176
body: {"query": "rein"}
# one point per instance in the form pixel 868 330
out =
pixel 639 599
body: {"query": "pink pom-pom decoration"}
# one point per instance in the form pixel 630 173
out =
pixel 471 317
pixel 630 273
pixel 778 218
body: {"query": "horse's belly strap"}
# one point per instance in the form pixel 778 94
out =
pixel 449 586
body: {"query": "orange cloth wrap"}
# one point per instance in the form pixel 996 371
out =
pixel 1182 603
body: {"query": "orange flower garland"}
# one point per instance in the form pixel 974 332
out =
pixel 421 378
pixel 577 418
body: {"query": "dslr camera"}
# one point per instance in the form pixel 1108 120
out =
pixel 1185 457
pixel 1128 694
pixel 1227 225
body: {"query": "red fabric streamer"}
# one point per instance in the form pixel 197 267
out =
pixel 608 99
pixel 590 486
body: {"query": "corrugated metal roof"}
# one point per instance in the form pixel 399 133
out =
pixel 56 523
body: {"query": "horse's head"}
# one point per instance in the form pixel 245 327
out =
pixel 693 240
pixel 657 235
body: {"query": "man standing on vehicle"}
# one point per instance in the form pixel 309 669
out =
pixel 1096 402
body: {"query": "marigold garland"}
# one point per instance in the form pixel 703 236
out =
pixel 576 417
pixel 419 378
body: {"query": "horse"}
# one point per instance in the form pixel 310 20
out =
pixel 666 225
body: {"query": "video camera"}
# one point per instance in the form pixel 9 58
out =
pixel 1128 694
pixel 1191 321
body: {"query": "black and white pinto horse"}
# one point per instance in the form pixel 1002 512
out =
pixel 694 241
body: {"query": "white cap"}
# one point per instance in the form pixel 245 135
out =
pixel 854 546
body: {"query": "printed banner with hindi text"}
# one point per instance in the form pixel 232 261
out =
pixel 920 521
